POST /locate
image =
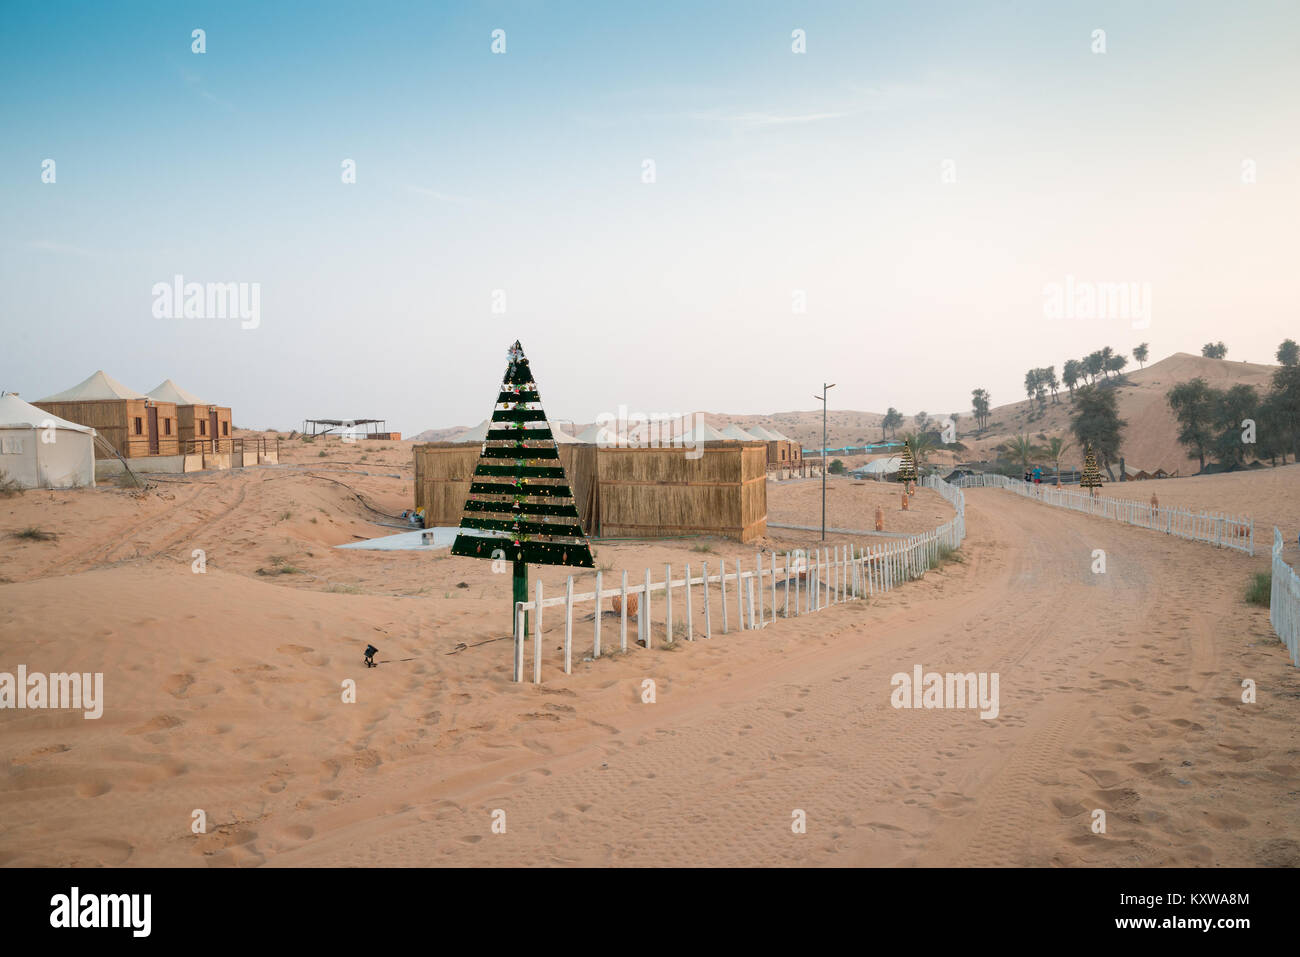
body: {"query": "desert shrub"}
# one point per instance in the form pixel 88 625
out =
pixel 1259 591
pixel 949 554
pixel 33 534
pixel 9 487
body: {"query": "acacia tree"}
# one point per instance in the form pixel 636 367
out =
pixel 1194 406
pixel 1031 383
pixel 1140 354
pixel 1048 378
pixel 1231 408
pixel 1107 355
pixel 1288 353
pixel 1095 419
pixel 1094 364
pixel 1284 403
pixel 1071 374
pixel 1271 440
pixel 1214 350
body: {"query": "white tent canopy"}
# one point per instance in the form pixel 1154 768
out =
pixel 758 432
pixel 169 391
pixel 98 386
pixel 476 434
pixel 703 432
pixel 594 434
pixel 737 433
pixel 885 466
pixel 40 450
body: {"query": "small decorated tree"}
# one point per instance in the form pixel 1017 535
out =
pixel 1091 477
pixel 520 507
pixel 907 466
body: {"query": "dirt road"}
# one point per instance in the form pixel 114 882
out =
pixel 1119 691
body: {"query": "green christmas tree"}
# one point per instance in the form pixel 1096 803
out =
pixel 907 465
pixel 520 506
pixel 1091 477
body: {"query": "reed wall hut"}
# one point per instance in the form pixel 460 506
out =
pixel 130 421
pixel 624 492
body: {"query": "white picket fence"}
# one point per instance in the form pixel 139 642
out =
pixel 1284 601
pixel 1224 531
pixel 798 586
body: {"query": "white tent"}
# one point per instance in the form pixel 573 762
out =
pixel 476 434
pixel 562 437
pixel 98 386
pixel 703 432
pixel 595 434
pixel 886 466
pixel 40 450
pixel 737 433
pixel 169 391
pixel 758 432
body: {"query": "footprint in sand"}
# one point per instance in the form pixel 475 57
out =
pixel 111 852
pixel 178 685
pixel 1226 822
pixel 41 752
pixel 93 789
pixel 294 834
pixel 1067 807
pixel 1104 776
pixel 161 723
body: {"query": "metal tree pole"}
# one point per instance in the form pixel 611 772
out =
pixel 521 590
pixel 825 389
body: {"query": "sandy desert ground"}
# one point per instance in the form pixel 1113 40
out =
pixel 1118 691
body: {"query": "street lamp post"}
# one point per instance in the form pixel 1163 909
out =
pixel 825 389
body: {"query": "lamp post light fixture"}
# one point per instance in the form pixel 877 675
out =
pixel 825 389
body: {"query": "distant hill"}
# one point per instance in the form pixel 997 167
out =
pixel 1150 440
pixel 438 435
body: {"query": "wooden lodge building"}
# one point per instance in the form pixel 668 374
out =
pixel 132 422
pixel 202 426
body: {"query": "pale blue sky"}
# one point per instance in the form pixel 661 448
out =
pixel 775 172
